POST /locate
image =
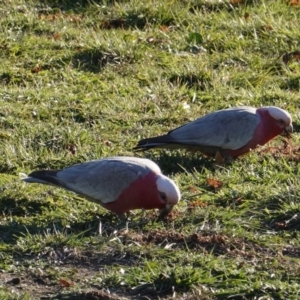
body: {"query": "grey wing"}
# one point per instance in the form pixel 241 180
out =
pixel 104 180
pixel 228 129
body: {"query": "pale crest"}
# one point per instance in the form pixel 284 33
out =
pixel 168 186
pixel 279 113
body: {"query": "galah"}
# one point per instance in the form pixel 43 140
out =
pixel 119 184
pixel 228 133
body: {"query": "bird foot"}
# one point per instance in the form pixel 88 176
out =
pixel 222 159
pixel 219 159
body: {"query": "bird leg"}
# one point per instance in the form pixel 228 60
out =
pixel 124 216
pixel 219 158
pixel 222 158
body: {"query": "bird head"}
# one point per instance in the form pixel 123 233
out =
pixel 283 119
pixel 168 193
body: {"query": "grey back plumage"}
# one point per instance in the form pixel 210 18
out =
pixel 102 180
pixel 230 128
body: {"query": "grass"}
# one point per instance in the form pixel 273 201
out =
pixel 81 80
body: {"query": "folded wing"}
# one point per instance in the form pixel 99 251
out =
pixel 102 180
pixel 227 129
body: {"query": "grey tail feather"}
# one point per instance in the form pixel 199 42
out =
pixel 155 142
pixel 44 177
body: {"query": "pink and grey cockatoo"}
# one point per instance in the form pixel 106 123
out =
pixel 119 184
pixel 228 133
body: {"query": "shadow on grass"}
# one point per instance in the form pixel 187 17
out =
pixel 179 161
pixel 77 5
pixel 88 60
pixel 296 127
pixel 283 217
pixel 292 84
pixel 93 258
pixel 283 211
pixel 288 220
pixel 143 292
pixel 217 6
pixel 199 81
pixel 22 207
pixel 129 19
pixel 94 60
pixel 11 232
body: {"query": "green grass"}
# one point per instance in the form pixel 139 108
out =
pixel 81 80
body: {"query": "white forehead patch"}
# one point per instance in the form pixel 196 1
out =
pixel 279 113
pixel 168 186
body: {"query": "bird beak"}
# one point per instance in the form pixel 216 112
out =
pixel 288 130
pixel 165 211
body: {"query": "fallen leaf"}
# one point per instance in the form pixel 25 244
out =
pixel 280 225
pixel 287 150
pixel 214 183
pixel 36 69
pixel 197 203
pixel 164 28
pixel 236 2
pixel 295 2
pixel 193 189
pixel 287 57
pixel 173 215
pixel 113 24
pixel 56 36
pixel 269 27
pixel 65 283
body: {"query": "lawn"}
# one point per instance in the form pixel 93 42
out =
pixel 82 80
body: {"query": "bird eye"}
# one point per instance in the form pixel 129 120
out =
pixel 163 196
pixel 281 122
